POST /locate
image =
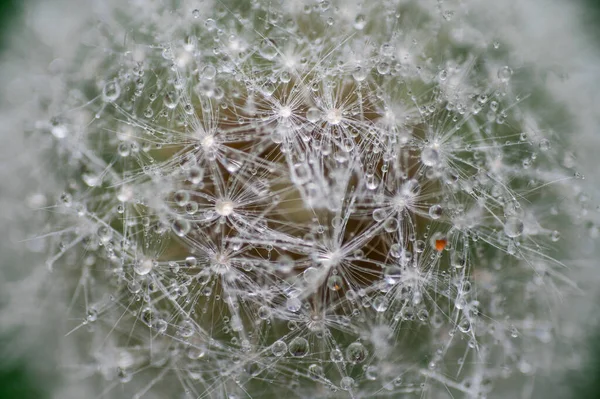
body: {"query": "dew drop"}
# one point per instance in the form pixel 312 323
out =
pixel 347 383
pixel 313 115
pixel 278 348
pixel 298 347
pixel 513 227
pixel 356 353
pixel 430 156
pixel 360 21
pixel 335 283
pixel 111 91
pixel 336 356
pixel 435 212
pixel 504 74
pixel 143 266
pixel 267 49
pixel 360 73
pixel 181 227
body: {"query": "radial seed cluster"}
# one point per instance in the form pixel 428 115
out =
pixel 311 199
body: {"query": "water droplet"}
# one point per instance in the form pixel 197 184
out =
pixel 143 266
pixel 347 383
pixel 391 225
pixel 278 348
pixel 379 214
pixel 298 347
pixel 336 356
pixel 513 227
pixel 356 353
pixel 267 49
pixel 544 145
pixel 430 156
pixel 196 13
pixel 315 371
pixel 181 227
pixel 383 68
pixel 264 313
pixel 111 91
pixel 208 72
pixel 181 197
pixel 393 274
pixel 313 115
pixel 185 329
pixel 293 304
pixel 92 315
pixel 380 304
pixel 335 283
pixel 435 212
pixel 504 74
pixel 360 73
pixel 360 21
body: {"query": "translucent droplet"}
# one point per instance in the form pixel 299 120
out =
pixel 555 236
pixel 395 250
pixel 124 149
pixel 372 373
pixel 356 353
pixel 379 214
pixel 504 74
pixel 347 383
pixel 181 197
pixel 311 275
pixel 293 304
pixel 383 68
pixel 315 371
pixel 143 266
pixel 208 72
pixel 92 315
pixel 391 225
pixel 380 303
pixel 185 329
pixel 336 356
pixel 360 73
pixel 313 115
pixel 111 91
pixel 195 174
pixel 335 283
pixel 513 227
pixel 360 21
pixel 393 274
pixel 264 313
pixel 180 227
pixel 544 145
pixel 435 212
pixel 104 233
pixel 278 348
pixel 196 13
pixel 267 49
pixel 298 347
pixel 430 156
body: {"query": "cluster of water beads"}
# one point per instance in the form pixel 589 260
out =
pixel 384 201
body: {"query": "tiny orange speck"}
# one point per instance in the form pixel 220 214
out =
pixel 440 244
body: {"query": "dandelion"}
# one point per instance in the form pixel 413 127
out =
pixel 320 199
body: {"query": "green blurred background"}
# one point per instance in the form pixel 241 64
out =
pixel 17 382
